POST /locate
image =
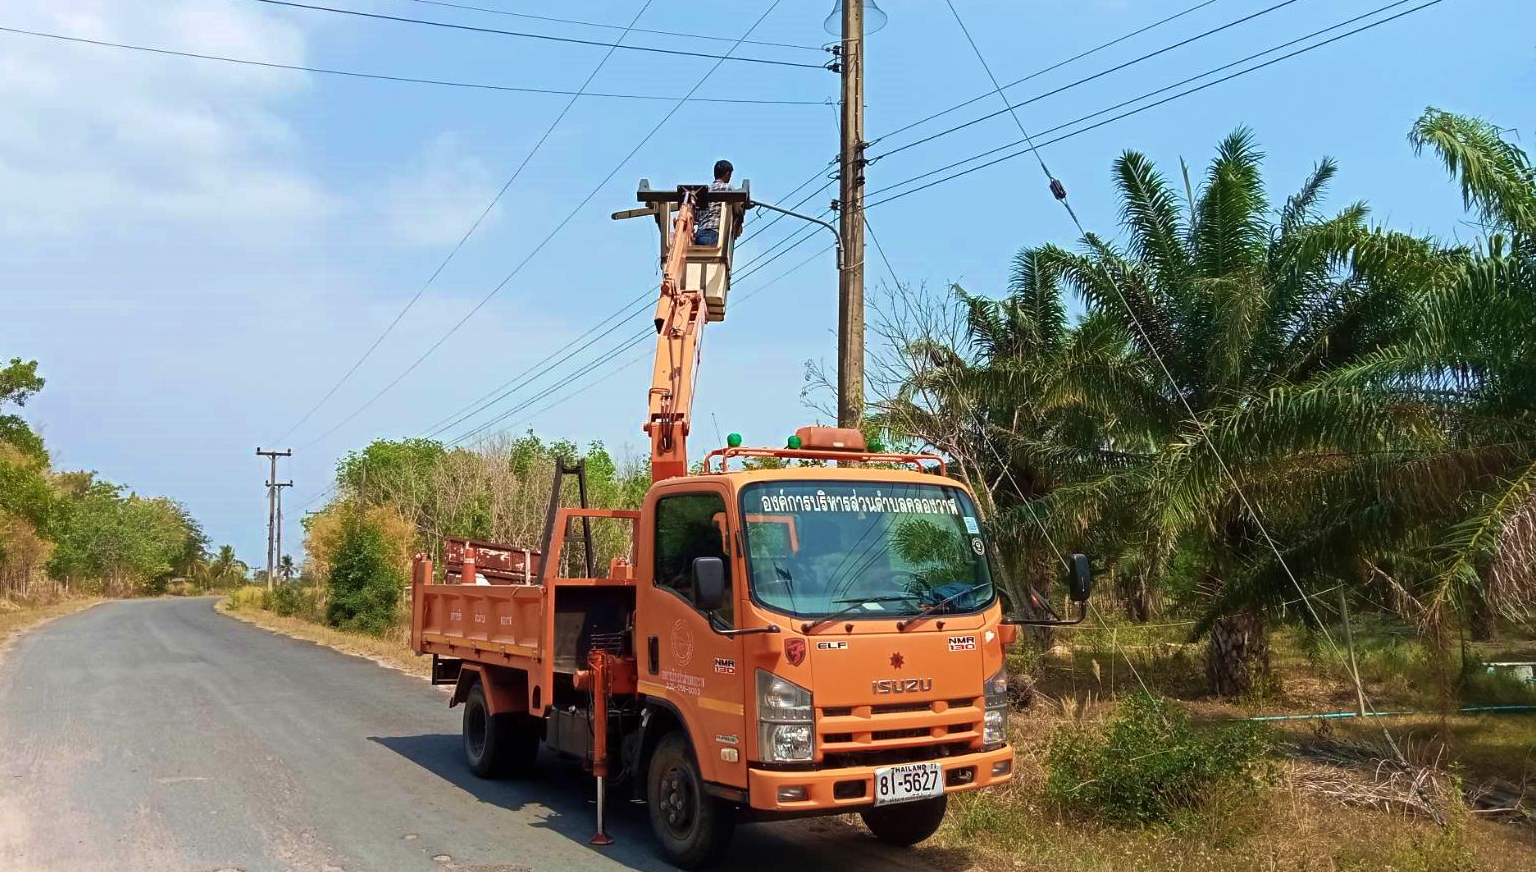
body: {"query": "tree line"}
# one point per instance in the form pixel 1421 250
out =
pixel 1259 401
pixel 72 532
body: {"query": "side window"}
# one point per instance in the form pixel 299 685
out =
pixel 686 529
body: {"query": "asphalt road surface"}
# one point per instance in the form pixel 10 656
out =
pixel 160 735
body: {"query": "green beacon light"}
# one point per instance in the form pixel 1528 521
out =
pixel 794 442
pixel 733 440
pixel 876 446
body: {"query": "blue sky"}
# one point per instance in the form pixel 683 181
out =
pixel 196 251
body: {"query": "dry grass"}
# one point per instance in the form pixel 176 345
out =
pixel 393 651
pixel 1294 828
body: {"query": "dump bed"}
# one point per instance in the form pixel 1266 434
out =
pixel 540 622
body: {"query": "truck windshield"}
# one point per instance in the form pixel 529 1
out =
pixel 873 550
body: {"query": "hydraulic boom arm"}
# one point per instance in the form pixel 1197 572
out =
pixel 695 280
pixel 679 328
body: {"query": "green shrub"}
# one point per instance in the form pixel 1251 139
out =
pixel 365 580
pixel 287 600
pixel 247 597
pixel 1149 766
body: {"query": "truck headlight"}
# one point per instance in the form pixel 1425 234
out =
pixel 786 721
pixel 995 722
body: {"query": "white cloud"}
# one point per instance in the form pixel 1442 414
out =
pixel 447 192
pixel 97 138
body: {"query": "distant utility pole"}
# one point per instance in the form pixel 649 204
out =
pixel 272 507
pixel 851 163
pixel 278 548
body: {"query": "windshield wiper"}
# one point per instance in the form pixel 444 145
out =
pixel 935 606
pixel 852 605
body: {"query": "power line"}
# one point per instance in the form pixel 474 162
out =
pixel 467 234
pixel 615 26
pixel 1053 67
pixel 1154 105
pixel 616 352
pixel 603 357
pixel 526 35
pixel 1055 185
pixel 1009 107
pixel 383 77
pixel 552 234
pixel 512 385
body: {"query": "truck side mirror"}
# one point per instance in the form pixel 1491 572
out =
pixel 1082 578
pixel 708 583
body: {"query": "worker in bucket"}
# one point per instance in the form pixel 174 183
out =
pixel 706 231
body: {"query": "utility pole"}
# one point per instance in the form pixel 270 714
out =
pixel 272 507
pixel 850 284
pixel 278 549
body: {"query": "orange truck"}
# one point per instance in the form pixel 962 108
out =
pixel 821 633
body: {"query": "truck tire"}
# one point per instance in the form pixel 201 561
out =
pixel 908 823
pixel 693 827
pixel 498 745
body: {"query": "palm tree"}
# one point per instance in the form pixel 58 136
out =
pixel 1464 516
pixel 1233 316
pixel 225 567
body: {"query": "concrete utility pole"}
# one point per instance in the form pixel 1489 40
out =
pixel 272 507
pixel 278 548
pixel 850 290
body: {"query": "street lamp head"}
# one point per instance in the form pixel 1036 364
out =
pixel 874 18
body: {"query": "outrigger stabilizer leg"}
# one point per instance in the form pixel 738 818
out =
pixel 597 661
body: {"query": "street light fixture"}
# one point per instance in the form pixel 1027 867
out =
pixel 874 18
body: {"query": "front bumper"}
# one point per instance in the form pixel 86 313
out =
pixel 835 788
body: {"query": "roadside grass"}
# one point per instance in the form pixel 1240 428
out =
pixel 1283 828
pixel 392 650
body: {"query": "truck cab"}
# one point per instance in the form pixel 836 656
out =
pixel 829 638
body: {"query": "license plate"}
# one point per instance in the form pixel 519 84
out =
pixel 895 784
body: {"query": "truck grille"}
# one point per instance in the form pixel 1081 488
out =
pixel 899 732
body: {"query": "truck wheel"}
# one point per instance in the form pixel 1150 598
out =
pixel 480 734
pixel 498 745
pixel 908 823
pixel 692 826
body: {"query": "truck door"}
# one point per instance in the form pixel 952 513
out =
pixel 682 659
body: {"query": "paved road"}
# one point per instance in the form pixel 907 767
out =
pixel 160 735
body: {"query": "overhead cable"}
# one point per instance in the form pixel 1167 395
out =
pixel 604 26
pixel 542 36
pixel 1008 107
pixel 354 74
pixel 1140 109
pixel 1053 67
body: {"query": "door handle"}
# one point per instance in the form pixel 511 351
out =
pixel 653 654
